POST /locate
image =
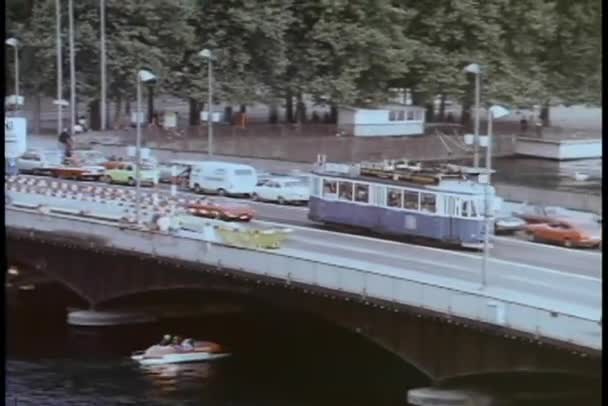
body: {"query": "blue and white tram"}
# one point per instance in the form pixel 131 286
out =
pixel 451 211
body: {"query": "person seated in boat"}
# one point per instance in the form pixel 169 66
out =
pixel 166 340
pixel 177 340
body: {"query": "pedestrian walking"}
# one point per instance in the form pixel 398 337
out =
pixel 65 143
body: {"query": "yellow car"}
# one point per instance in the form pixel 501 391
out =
pixel 124 173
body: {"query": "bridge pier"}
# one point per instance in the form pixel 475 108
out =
pixel 446 397
pixel 105 318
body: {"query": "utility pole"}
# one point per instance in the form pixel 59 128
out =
pixel 72 69
pixel 210 115
pixel 477 97
pixel 59 68
pixel 102 109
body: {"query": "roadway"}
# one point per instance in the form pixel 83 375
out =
pixel 509 250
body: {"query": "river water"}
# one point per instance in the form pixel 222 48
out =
pixel 275 361
pixel 278 359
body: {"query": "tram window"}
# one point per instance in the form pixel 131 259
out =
pixel 410 200
pixel 346 190
pixel 394 198
pixel 464 211
pixel 428 202
pixel 330 187
pixel 362 192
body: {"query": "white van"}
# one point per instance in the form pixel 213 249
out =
pixel 223 178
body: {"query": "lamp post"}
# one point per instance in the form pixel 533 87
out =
pixel 142 76
pixel 205 53
pixel 102 29
pixel 476 70
pixel 72 68
pixel 14 42
pixel 59 67
pixel 493 113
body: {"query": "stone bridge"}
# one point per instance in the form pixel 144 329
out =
pixel 442 347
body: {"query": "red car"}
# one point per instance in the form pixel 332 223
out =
pixel 221 211
pixel 567 233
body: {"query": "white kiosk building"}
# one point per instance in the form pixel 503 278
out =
pixel 384 121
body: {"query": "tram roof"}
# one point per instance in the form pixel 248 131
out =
pixel 415 176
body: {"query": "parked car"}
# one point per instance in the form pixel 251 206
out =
pixel 114 162
pixel 39 162
pixel 124 172
pixel 223 178
pixel 567 233
pixel 282 190
pixel 508 225
pixel 72 170
pixel 540 214
pixel 221 211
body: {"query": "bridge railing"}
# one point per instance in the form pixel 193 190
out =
pixel 461 299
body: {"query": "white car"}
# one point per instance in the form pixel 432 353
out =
pixel 282 190
pixel 39 161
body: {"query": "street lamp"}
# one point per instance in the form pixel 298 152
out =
pixel 143 76
pixel 494 112
pixel 206 53
pixel 14 42
pixel 476 70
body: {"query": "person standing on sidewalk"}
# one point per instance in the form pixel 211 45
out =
pixel 65 143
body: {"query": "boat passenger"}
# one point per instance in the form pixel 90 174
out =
pixel 177 340
pixel 166 340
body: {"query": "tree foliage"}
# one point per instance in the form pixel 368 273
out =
pixel 337 51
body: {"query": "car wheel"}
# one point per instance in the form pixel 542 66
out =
pixel 216 215
pixel 281 200
pixel 197 189
pixel 221 192
pixel 530 236
pixel 131 182
pixel 106 179
pixel 567 243
pixel 255 197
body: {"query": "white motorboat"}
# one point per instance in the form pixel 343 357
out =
pixel 198 351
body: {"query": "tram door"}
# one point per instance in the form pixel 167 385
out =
pixel 452 208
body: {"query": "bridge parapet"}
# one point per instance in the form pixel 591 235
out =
pixel 555 319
